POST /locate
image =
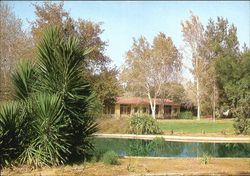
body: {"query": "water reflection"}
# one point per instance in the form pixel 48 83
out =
pixel 160 148
pixel 233 150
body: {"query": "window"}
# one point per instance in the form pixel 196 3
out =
pixel 167 109
pixel 135 109
pixel 125 109
pixel 109 109
pixel 156 109
pixel 175 110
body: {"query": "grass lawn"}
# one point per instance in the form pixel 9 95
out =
pixel 195 126
pixel 132 166
pixel 203 127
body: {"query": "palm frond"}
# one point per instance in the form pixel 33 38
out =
pixel 49 143
pixel 23 78
pixel 12 131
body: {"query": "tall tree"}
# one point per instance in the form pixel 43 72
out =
pixel 193 34
pixel 15 44
pixel 234 77
pixel 148 67
pixel 216 41
pixel 220 40
pixel 88 32
pixel 190 94
pixel 107 86
pixel 96 63
pixel 174 91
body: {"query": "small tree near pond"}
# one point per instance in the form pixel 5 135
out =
pixel 143 124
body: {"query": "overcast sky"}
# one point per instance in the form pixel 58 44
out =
pixel 124 20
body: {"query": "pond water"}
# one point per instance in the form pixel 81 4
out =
pixel 160 148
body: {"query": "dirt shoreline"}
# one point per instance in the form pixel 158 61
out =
pixel 142 166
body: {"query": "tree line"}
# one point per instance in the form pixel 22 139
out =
pixel 220 70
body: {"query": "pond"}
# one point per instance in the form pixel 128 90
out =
pixel 160 148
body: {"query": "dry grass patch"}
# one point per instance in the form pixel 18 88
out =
pixel 112 125
pixel 141 166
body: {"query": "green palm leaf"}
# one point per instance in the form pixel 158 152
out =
pixel 23 78
pixel 12 131
pixel 49 143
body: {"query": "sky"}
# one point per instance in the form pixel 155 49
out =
pixel 125 20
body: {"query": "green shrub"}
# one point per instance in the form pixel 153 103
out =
pixel 130 166
pixel 205 158
pixel 143 124
pixel 93 159
pixel 110 157
pixel 186 115
pixel 242 120
pixel 95 155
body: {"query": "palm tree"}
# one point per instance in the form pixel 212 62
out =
pixel 57 102
pixel 60 71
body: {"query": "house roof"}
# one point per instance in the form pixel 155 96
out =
pixel 139 100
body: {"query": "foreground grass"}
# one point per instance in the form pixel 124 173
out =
pixel 140 166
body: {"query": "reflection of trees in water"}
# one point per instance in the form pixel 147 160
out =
pixel 159 147
pixel 234 150
pixel 139 148
pixel 207 148
pixel 217 149
pixel 103 145
pixel 170 148
pixel 156 147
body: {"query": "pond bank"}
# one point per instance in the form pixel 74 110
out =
pixel 178 138
pixel 141 166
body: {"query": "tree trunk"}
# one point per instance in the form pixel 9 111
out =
pixel 153 112
pixel 214 100
pixel 198 99
pixel 152 105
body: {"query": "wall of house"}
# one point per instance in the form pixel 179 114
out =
pixel 117 110
pixel 175 110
